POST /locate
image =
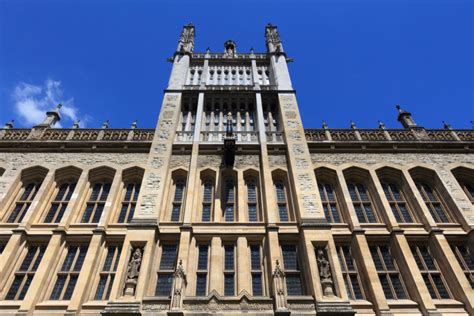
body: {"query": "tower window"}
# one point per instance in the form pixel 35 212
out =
pixel 229 270
pixel 207 200
pixel 60 202
pixel 25 273
pixel 330 205
pixel 177 200
pixel 429 269
pixel 229 207
pixel 23 202
pixel 96 203
pixel 433 202
pixel 256 270
pixel 202 268
pixel 350 273
pixel 362 203
pixel 292 269
pixel 281 201
pixel 389 276
pixel 107 274
pixel 252 200
pixel 69 273
pixel 397 203
pixel 169 253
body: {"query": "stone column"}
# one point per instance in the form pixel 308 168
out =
pixel 411 275
pixel 243 266
pixel 372 284
pixel 89 269
pixel 44 274
pixel 452 271
pixel 216 273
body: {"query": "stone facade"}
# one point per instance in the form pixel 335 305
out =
pixel 230 206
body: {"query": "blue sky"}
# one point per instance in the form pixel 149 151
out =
pixel 353 60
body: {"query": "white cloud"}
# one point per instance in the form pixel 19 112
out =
pixel 32 102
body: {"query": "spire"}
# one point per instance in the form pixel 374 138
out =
pixel 186 40
pixel 272 39
pixel 9 124
pixel 405 118
pixel 52 117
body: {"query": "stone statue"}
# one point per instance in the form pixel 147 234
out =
pixel 178 286
pixel 325 272
pixel 186 40
pixel 279 287
pixel 133 270
pixel 229 124
pixel 230 49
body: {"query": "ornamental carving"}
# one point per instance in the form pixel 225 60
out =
pixel 133 271
pixel 186 40
pixel 279 287
pixel 178 287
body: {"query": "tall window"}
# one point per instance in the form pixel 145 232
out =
pixel 469 190
pixel 466 260
pixel 252 200
pixel 330 206
pixel 350 273
pixel 387 269
pixel 433 203
pixel 256 270
pixel 229 196
pixel 430 272
pixel 207 199
pixel 397 203
pixel 362 203
pixel 26 272
pixel 281 200
pixel 177 200
pixel 129 202
pixel 95 204
pixel 23 202
pixel 69 273
pixel 292 269
pixel 202 268
pixel 229 270
pixel 107 274
pixel 169 252
pixel 60 202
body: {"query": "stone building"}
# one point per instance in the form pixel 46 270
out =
pixel 230 206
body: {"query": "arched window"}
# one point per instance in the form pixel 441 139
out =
pixel 129 202
pixel 207 200
pixel 397 202
pixel 179 185
pixel 433 202
pixel 60 201
pixel 30 183
pixel 330 205
pixel 95 205
pixel 281 200
pixel 465 178
pixel 362 203
pixel 229 200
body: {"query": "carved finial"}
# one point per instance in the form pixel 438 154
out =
pixel 381 125
pixel 186 40
pixel 9 124
pixel 272 38
pixel 105 124
pixel 251 50
pixel 405 118
pixel 76 124
pixel 134 124
pixel 353 125
pixel 325 125
pixel 446 125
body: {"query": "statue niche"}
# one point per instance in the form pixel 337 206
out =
pixel 133 271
